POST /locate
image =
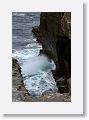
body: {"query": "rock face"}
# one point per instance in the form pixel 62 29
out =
pixel 19 92
pixel 54 33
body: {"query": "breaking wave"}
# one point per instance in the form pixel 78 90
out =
pixel 36 70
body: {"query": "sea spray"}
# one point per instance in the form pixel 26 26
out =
pixel 37 75
pixel 36 70
pixel 37 64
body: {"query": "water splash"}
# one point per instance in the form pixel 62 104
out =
pixel 36 70
pixel 37 75
pixel 36 64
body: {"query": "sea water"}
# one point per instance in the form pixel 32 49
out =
pixel 36 70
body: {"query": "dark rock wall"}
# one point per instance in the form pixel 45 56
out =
pixel 55 35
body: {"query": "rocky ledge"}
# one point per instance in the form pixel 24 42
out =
pixel 20 94
pixel 18 89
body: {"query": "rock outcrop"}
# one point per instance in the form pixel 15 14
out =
pixel 19 92
pixel 54 33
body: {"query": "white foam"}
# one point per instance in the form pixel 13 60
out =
pixel 36 64
pixel 25 54
pixel 19 14
pixel 41 80
pixel 36 69
pixel 32 45
pixel 38 84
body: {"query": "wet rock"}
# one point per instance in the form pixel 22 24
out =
pixel 37 32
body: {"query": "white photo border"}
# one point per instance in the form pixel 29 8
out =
pixel 76 9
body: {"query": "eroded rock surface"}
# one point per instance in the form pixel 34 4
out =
pixel 18 89
pixel 54 33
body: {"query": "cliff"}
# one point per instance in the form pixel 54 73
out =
pixel 54 33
